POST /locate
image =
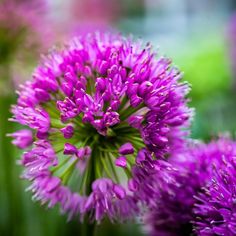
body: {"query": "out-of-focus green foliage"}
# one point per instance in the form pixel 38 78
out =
pixel 206 67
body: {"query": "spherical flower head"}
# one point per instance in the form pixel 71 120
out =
pixel 215 211
pixel 93 106
pixel 172 197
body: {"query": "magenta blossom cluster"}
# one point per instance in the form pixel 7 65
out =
pixel 94 107
pixel 215 210
pixel 176 203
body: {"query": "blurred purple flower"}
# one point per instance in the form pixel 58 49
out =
pixel 168 190
pixel 24 35
pixel 93 106
pixel 215 211
pixel 167 193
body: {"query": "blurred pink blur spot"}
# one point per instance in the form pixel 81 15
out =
pixel 92 15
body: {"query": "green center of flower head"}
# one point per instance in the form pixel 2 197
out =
pixel 93 150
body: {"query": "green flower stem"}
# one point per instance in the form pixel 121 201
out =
pixel 90 89
pixel 129 111
pixel 78 121
pixel 111 162
pixel 110 133
pixel 104 164
pixel 56 123
pixel 123 103
pixel 59 95
pixel 65 176
pixel 83 182
pixel 126 130
pixel 136 141
pixel 91 165
pixel 58 147
pixel 121 125
pixel 56 168
pixel 89 228
pixel 51 109
pixel 98 168
pixel 108 150
pixel 131 161
pixel 128 172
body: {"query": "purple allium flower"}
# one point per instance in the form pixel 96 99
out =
pixel 169 193
pixel 94 105
pixel 215 211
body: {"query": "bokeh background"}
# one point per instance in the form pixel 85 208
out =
pixel 199 36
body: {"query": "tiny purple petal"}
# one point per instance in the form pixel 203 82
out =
pixel 121 162
pixel 153 102
pixel 67 88
pixel 67 131
pixel 41 135
pixel 145 88
pixel 69 149
pixel 42 95
pixel 126 149
pixel 135 100
pixel 22 138
pixel 135 121
pixel 80 153
pixel 119 191
pixel 132 185
pixel 141 156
